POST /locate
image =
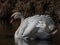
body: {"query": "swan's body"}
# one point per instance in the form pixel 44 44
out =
pixel 35 26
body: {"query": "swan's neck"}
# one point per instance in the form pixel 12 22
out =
pixel 22 18
pixel 17 35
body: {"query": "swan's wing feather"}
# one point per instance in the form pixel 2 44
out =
pixel 29 28
pixel 49 21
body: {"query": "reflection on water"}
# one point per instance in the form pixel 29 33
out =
pixel 34 42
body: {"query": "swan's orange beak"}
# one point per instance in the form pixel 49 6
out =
pixel 12 20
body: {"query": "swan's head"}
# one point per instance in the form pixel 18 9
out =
pixel 16 15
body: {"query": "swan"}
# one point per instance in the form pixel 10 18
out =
pixel 34 26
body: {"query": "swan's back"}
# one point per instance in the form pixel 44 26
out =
pixel 45 18
pixel 35 17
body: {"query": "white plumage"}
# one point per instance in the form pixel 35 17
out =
pixel 34 26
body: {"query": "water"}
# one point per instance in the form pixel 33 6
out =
pixel 32 42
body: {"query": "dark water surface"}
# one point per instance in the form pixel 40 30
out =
pixel 33 42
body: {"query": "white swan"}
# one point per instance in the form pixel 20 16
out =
pixel 35 26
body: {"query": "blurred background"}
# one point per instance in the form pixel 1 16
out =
pixel 28 8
